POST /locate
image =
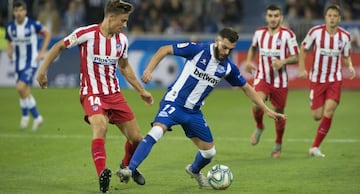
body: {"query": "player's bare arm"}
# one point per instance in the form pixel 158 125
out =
pixel 250 92
pixel 278 64
pixel 302 70
pixel 51 56
pixel 127 71
pixel 155 60
pixel 45 44
pixel 10 49
pixel 249 66
pixel 349 65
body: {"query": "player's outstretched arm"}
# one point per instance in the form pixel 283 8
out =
pixel 127 71
pixel 50 57
pixel 250 92
pixel 155 60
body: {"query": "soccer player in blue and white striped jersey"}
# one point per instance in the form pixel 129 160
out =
pixel 22 36
pixel 205 66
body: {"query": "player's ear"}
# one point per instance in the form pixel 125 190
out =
pixel 217 40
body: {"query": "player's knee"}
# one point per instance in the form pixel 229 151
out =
pixel 208 153
pixel 317 117
pixel 156 132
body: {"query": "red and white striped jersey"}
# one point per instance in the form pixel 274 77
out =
pixel 279 45
pixel 98 59
pixel 327 50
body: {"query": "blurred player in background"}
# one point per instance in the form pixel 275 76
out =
pixel 277 47
pixel 22 36
pixel 103 47
pixel 331 43
pixel 206 65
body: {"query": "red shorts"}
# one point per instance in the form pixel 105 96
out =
pixel 320 92
pixel 277 96
pixel 113 106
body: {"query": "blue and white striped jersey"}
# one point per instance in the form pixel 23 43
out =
pixel 24 38
pixel 201 73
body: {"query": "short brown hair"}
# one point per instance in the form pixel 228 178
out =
pixel 334 7
pixel 19 3
pixel 273 7
pixel 118 7
pixel 229 34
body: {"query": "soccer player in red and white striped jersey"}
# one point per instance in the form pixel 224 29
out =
pixel 103 47
pixel 330 44
pixel 277 47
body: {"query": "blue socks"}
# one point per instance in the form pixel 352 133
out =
pixel 142 151
pixel 199 163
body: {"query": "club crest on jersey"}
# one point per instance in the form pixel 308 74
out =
pixel 278 42
pixel 95 107
pixel 340 43
pixel 220 69
pixel 118 47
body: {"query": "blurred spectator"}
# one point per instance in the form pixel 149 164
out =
pixel 50 18
pixel 137 19
pixel 174 16
pixel 173 8
pixel 233 14
pixel 74 16
pixel 94 11
pixel 354 31
pixel 174 27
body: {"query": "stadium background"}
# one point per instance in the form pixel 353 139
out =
pixel 159 22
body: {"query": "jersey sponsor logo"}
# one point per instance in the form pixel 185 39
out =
pixel 205 76
pixel 22 40
pixel 330 52
pixel 270 52
pixel 105 60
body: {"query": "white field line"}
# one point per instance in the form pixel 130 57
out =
pixel 169 137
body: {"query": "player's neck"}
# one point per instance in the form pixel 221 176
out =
pixel 331 30
pixel 104 29
pixel 273 31
pixel 20 21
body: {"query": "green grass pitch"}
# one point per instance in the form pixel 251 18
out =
pixel 57 160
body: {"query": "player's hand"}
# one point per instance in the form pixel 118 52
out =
pixel 42 80
pixel 146 77
pixel 352 72
pixel 277 64
pixel 41 56
pixel 147 97
pixel 276 116
pixel 250 67
pixel 303 74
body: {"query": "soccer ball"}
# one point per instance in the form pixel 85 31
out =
pixel 220 177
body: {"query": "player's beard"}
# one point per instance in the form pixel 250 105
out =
pixel 274 26
pixel 217 54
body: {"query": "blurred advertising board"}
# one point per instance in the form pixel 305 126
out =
pixel 64 72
